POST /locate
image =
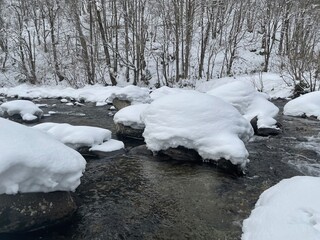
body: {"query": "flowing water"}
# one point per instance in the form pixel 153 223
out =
pixel 136 196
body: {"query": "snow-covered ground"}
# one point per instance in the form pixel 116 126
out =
pixel 130 116
pixel 198 121
pixel 269 83
pixel 308 105
pixel 26 109
pixel 95 93
pixel 32 161
pixel 288 210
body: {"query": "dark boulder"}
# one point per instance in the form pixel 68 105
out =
pixel 129 132
pixel 32 211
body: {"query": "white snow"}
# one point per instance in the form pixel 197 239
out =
pixel 132 93
pixel 31 161
pixel 130 116
pixel 75 136
pixel 288 210
pixel 197 121
pixel 89 93
pixel 164 91
pixel 26 109
pixel 270 83
pixel 308 104
pixel 109 146
pixel 249 102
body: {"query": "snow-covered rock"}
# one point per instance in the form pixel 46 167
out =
pixel 109 146
pixel 75 136
pixel 305 105
pixel 288 210
pixel 31 161
pixel 250 103
pixel 129 95
pixel 26 109
pixel 130 116
pixel 128 121
pixel 207 124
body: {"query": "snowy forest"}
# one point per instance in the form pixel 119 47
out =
pixel 156 43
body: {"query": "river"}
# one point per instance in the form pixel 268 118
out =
pixel 144 197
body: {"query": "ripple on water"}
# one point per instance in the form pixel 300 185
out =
pixel 308 161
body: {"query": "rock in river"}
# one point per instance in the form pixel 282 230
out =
pixel 31 211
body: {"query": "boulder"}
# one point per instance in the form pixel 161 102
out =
pixel 119 104
pixel 264 131
pixel 129 132
pixel 32 211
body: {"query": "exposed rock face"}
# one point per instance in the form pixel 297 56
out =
pixel 129 132
pixel 119 104
pixel 264 131
pixel 32 211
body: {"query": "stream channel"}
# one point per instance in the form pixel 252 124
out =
pixel 143 197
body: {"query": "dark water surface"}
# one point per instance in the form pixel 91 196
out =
pixel 144 197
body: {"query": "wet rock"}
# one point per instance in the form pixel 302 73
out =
pixel 190 155
pixel 187 155
pixel 182 154
pixel 119 104
pixel 129 132
pixel 32 211
pixel 264 131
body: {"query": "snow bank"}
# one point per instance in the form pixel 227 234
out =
pixel 288 210
pixel 31 161
pixel 131 93
pixel 75 136
pixel 130 116
pixel 197 121
pixel 95 93
pixel 308 104
pixel 249 102
pixel 26 109
pixel 269 83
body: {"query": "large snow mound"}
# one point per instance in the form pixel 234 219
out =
pixel 308 104
pixel 26 109
pixel 250 103
pixel 31 161
pixel 288 210
pixel 197 121
pixel 130 116
pixel 131 93
pixel 164 91
pixel 75 136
